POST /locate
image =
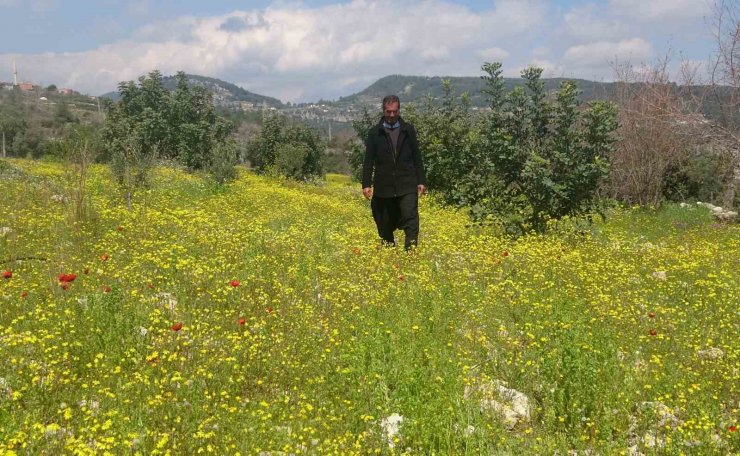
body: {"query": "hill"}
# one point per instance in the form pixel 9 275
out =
pixel 225 94
pixel 415 88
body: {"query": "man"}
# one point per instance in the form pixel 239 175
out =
pixel 393 165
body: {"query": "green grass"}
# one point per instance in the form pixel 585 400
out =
pixel 604 332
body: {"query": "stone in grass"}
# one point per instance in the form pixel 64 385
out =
pixel 660 275
pixel 391 425
pixel 721 214
pixel 710 353
pixel 509 404
pixel 666 417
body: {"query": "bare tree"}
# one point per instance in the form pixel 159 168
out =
pixel 725 72
pixel 653 115
pixel 725 79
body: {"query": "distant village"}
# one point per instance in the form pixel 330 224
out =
pixel 30 87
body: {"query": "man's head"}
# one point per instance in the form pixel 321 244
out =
pixel 391 108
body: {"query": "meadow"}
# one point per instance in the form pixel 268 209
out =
pixel 261 317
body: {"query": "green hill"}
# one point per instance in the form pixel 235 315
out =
pixel 415 88
pixel 224 93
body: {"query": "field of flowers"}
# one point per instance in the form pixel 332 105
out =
pixel 261 318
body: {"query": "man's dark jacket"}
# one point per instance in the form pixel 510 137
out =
pixel 395 174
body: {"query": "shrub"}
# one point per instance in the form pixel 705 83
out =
pixel 293 151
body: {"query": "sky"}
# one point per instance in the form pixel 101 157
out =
pixel 307 50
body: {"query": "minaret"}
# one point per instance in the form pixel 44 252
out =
pixel 15 74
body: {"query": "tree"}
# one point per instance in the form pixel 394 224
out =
pixel 149 122
pixel 549 156
pixel 361 126
pixel 289 150
pixel 13 122
pixel 530 158
pixel 726 72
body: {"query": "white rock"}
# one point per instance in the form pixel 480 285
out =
pixel 710 353
pixel 391 425
pixel 59 198
pixel 660 275
pixel 651 441
pixel 664 413
pixel 511 405
pixel 726 216
pixel 167 300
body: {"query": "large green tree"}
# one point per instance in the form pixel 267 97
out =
pixel 180 125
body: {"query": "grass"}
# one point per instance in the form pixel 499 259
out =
pixel 326 335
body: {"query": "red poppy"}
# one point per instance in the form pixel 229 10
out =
pixel 732 428
pixel 7 274
pixel 234 283
pixel 104 257
pixel 120 228
pixel 67 277
pixel 268 310
pixel 107 289
pixel 402 278
pixel 177 326
pixel 24 293
pixel 242 321
pixel 506 253
pixel 653 332
pixel 651 314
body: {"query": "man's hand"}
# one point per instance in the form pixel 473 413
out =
pixel 420 189
pixel 368 192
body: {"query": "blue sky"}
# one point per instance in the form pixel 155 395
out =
pixel 301 51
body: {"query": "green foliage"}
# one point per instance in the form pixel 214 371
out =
pixel 289 150
pixel 62 114
pixel 531 158
pixel 28 143
pixel 181 125
pixel 13 122
pixel 701 177
pixel 361 126
pixel 223 160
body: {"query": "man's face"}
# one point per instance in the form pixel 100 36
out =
pixel 390 112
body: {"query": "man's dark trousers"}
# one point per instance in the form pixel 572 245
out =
pixel 400 212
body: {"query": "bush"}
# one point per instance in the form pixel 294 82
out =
pixel 222 162
pixel 293 151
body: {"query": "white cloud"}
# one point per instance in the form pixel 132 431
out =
pixel 601 52
pixel 296 52
pixel 589 23
pixel 493 54
pixel 663 10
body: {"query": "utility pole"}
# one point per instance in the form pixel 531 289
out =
pixel 3 143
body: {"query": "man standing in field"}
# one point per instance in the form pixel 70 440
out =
pixel 394 168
